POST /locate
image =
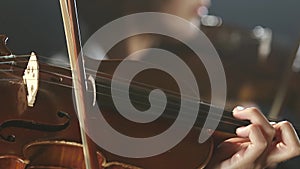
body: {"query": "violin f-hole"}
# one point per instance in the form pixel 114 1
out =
pixel 35 126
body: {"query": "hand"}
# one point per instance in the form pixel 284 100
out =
pixel 258 145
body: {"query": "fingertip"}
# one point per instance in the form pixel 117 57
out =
pixel 238 112
pixel 241 131
pixel 238 108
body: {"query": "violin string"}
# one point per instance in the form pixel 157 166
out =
pixel 143 104
pixel 230 118
pixel 6 70
pixel 134 101
pixel 11 56
pixel 175 103
pixel 92 72
pixel 169 93
pixel 203 113
pixel 22 56
pixel 11 63
pixel 102 78
pixel 55 62
pixel 8 63
pixel 6 80
pixel 65 76
pixel 44 59
pixel 224 117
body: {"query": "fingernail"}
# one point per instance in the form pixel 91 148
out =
pixel 239 108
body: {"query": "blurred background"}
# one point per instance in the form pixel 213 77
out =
pixel 257 41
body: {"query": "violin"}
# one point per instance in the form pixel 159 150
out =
pixel 40 125
pixel 36 134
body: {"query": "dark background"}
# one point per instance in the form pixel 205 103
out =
pixel 37 25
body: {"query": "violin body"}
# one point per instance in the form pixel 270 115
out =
pixel 12 162
pixel 45 111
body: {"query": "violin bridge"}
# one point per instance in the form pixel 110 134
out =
pixel 30 79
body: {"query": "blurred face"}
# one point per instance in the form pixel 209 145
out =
pixel 187 9
pixel 190 10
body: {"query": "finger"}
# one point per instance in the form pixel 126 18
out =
pixel 287 145
pixel 256 117
pixel 288 133
pixel 249 155
pixel 228 148
pixel 238 108
pixel 259 143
